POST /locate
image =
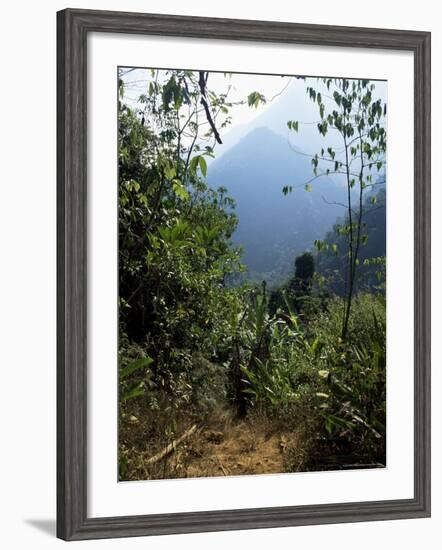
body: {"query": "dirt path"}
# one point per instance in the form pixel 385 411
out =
pixel 240 449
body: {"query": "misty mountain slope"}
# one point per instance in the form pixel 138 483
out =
pixel 292 104
pixel 274 228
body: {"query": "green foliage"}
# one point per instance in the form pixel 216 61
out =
pixel 304 267
pixel 283 382
pixel 175 254
pixel 353 406
pixel 312 372
pixel 134 366
pixel 135 375
pixel 255 98
pixel 359 119
pixel 297 292
pixel 174 230
pixel 332 253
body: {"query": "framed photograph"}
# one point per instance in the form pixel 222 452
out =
pixel 243 274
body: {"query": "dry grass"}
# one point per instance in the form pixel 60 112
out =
pixel 221 446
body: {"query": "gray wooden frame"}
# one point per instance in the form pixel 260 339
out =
pixel 73 27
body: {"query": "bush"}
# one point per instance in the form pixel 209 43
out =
pixel 325 386
pixel 362 329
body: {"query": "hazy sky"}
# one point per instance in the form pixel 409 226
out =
pixel 241 86
pixel 286 100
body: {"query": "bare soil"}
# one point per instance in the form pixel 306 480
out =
pixel 242 449
pixel 226 447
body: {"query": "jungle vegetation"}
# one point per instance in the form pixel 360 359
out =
pixel 225 374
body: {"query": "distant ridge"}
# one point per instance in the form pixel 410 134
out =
pixel 274 228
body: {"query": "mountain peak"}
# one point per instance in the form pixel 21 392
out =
pixel 272 227
pixel 260 141
pixel 262 133
pixel 261 130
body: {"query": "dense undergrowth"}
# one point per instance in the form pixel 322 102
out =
pixel 283 372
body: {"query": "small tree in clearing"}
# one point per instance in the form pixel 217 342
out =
pixel 349 108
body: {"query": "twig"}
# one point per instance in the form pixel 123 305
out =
pixel 202 84
pixel 172 446
pixel 224 470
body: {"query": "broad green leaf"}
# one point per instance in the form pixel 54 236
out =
pixel 179 190
pixel 169 171
pixel 254 99
pixel 135 391
pixel 193 164
pixel 203 165
pixel 135 365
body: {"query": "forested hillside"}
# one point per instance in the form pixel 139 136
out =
pixel 330 262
